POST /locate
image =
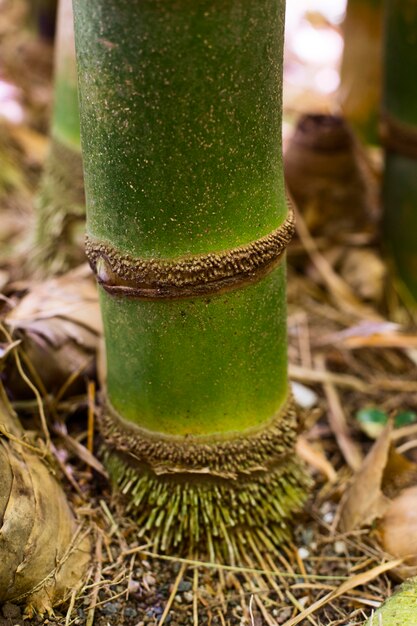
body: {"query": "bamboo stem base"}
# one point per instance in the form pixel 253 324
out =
pixel 193 504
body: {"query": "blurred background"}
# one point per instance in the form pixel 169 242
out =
pixel 313 50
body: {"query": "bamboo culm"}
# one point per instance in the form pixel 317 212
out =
pixel 187 224
pixel 60 214
pixel 400 608
pixel 399 124
pixel 360 91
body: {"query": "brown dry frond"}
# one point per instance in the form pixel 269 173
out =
pixel 43 553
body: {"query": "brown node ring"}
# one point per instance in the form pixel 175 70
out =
pixel 222 457
pixel 398 137
pixel 195 275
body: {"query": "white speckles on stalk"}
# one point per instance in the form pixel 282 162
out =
pixel 192 111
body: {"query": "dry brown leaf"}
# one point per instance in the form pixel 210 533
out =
pixel 60 326
pixel 398 531
pixel 383 475
pixel 368 285
pixel 72 297
pixel 400 473
pixel 81 451
pixel 370 334
pixel 43 554
pixel 365 329
pixel 364 500
pixel 348 585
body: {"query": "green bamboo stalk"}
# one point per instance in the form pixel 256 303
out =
pixel 400 608
pixel 186 230
pixel 360 88
pixel 61 205
pixel 400 137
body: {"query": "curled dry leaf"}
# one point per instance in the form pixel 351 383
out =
pixel 43 554
pixel 381 492
pixel 364 500
pixel 398 531
pixel 384 473
pixel 59 325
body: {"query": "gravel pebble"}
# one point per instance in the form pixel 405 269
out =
pixel 184 585
pixel 111 608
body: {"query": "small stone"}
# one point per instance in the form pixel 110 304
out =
pixel 130 612
pixel 134 586
pixel 149 580
pixel 340 547
pixel 303 553
pixel 188 596
pixel 111 608
pixel 155 611
pixel 304 396
pixel 328 517
pixel 184 585
pixel 284 615
pixel 178 599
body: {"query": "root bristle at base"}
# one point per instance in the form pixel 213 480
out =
pixel 195 516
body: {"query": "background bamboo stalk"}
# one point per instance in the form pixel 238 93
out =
pixel 61 204
pixel 360 88
pixel 400 136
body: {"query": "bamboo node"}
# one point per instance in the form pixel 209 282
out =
pixel 208 494
pixel 122 275
pixel 236 455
